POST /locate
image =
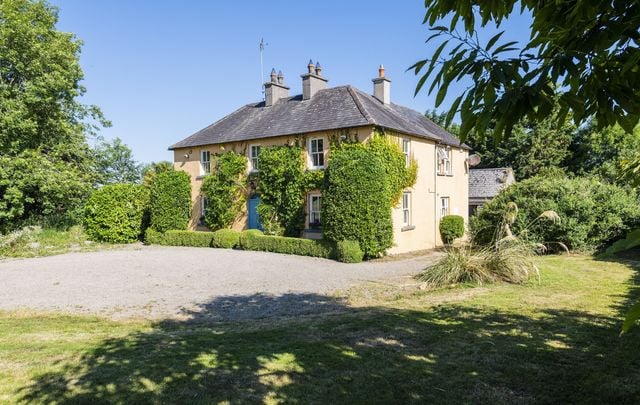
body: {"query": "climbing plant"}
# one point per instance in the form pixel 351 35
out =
pixel 399 175
pixel 282 184
pixel 225 189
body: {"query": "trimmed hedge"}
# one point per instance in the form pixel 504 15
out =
pixel 348 251
pixel 225 238
pixel 255 240
pixel 356 201
pixel 451 228
pixel 170 201
pixel 116 213
pixel 178 238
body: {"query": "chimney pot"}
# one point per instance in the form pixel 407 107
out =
pixel 310 67
pixel 280 77
pixel 273 75
pixel 381 71
pixel 318 69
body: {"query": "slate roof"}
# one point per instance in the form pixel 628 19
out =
pixel 333 108
pixel 487 183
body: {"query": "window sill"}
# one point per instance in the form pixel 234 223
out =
pixel 316 167
pixel 445 174
pixel 407 228
pixel 201 176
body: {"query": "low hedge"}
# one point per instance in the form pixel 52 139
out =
pixel 348 251
pixel 451 228
pixel 225 238
pixel 256 240
pixel 179 238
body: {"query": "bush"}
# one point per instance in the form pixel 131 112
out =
pixel 225 189
pixel 153 237
pixel 115 213
pixel 226 238
pixel 511 261
pixel 593 214
pixel 356 202
pixel 451 228
pixel 348 251
pixel 188 238
pixel 170 201
pixel 252 240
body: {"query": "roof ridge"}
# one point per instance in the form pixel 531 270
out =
pixel 361 108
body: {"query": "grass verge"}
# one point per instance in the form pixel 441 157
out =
pixel 555 341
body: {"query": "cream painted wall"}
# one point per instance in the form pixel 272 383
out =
pixel 425 194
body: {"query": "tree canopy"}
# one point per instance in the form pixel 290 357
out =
pixel 584 53
pixel 114 163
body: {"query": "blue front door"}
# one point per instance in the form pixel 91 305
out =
pixel 254 220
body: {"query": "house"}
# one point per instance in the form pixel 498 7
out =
pixel 316 116
pixel 484 184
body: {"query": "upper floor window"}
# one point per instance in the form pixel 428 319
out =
pixel 444 206
pixel 406 149
pixel 315 201
pixel 205 162
pixel 316 152
pixel 444 161
pixel 254 152
pixel 406 208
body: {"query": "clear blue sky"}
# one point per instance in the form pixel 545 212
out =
pixel 161 70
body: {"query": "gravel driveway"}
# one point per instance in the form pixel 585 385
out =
pixel 188 283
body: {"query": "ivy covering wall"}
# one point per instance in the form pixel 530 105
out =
pixel 225 189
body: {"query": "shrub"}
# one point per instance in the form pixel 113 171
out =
pixel 348 251
pixel 451 228
pixel 511 261
pixel 356 203
pixel 225 189
pixel 115 213
pixel 188 238
pixel 225 238
pixel 251 240
pixel 153 237
pixel 593 214
pixel 170 201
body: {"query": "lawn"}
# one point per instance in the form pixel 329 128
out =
pixel 554 341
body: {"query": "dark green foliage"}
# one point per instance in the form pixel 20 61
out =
pixel 170 201
pixel 225 189
pixel 152 169
pixel 348 251
pixel 153 237
pixel 356 200
pixel 250 240
pixel 282 187
pixel 451 228
pixel 188 238
pixel 226 238
pixel 115 213
pixel 35 187
pixel 571 50
pixel 593 214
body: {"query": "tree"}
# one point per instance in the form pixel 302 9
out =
pixel 585 51
pixel 151 170
pixel 40 78
pixel 114 163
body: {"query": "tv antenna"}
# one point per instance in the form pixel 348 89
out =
pixel 261 47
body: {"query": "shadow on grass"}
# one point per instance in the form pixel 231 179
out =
pixel 445 354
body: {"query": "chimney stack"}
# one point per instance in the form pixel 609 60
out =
pixel 312 81
pixel 382 87
pixel 275 89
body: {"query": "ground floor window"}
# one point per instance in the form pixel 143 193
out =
pixel 406 208
pixel 203 209
pixel 315 202
pixel 444 206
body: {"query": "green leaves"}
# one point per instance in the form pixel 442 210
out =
pixel 594 67
pixel 170 201
pixel 225 189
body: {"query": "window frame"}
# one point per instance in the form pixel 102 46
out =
pixel 316 153
pixel 407 215
pixel 205 170
pixel 312 213
pixel 203 209
pixel 407 153
pixel 446 206
pixel 254 167
pixel 444 166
